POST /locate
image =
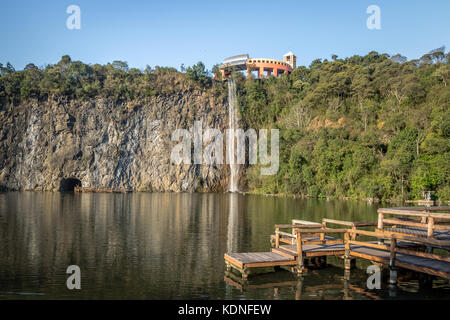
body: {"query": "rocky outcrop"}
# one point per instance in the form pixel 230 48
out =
pixel 107 144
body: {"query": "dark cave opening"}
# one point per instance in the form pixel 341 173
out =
pixel 69 184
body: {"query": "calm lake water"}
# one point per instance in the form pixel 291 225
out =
pixel 167 246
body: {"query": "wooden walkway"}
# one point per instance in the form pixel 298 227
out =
pixel 434 267
pixel 408 244
pixel 397 256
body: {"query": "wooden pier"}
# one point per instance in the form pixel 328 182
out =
pixel 406 242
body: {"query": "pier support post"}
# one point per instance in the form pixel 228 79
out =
pixel 425 281
pixel 299 291
pixel 300 268
pixel 380 226
pixel 347 260
pixel 321 261
pixel 392 276
pixel 300 258
pixel 346 288
pixel 245 274
pixel 347 275
pixel 392 268
pixel 392 291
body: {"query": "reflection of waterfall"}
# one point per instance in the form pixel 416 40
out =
pixel 233 124
pixel 232 223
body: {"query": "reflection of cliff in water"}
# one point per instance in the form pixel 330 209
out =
pixel 149 245
pixel 127 245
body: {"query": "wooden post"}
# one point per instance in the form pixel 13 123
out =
pixel 430 227
pixel 392 268
pixel 347 263
pixel 380 220
pixel 299 253
pixel 425 282
pixel 322 235
pixel 323 261
pixel 380 225
pixel 245 274
pixel 277 237
pixel 299 291
pixel 346 288
pixel 354 233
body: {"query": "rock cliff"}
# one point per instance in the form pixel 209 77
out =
pixel 102 143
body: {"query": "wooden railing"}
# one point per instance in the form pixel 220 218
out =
pixel 393 249
pixel 300 234
pixel 302 224
pixel 404 237
pixel 426 218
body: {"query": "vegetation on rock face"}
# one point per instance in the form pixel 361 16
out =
pixel 369 126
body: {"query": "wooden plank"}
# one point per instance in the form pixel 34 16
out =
pixel 417 239
pixel 376 234
pixel 423 254
pixel 309 254
pixel 340 222
pixel 421 208
pixel 369 257
pixel 441 227
pixel 433 272
pixel 284 253
pixel 304 222
pixel 233 261
pixel 285 234
pixel 270 264
pixel 325 230
pixel 413 213
pixel 404 223
pixel 306 241
pixel 370 245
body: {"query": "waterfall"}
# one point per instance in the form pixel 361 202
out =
pixel 233 124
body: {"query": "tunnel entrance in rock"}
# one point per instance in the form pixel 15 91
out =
pixel 69 184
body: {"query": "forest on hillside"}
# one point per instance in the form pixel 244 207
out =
pixel 370 126
pixel 373 126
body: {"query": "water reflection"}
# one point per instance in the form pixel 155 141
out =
pixel 232 223
pixel 151 246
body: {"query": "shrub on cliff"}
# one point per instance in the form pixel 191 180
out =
pixel 199 74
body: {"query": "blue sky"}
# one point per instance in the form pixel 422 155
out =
pixel 169 33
